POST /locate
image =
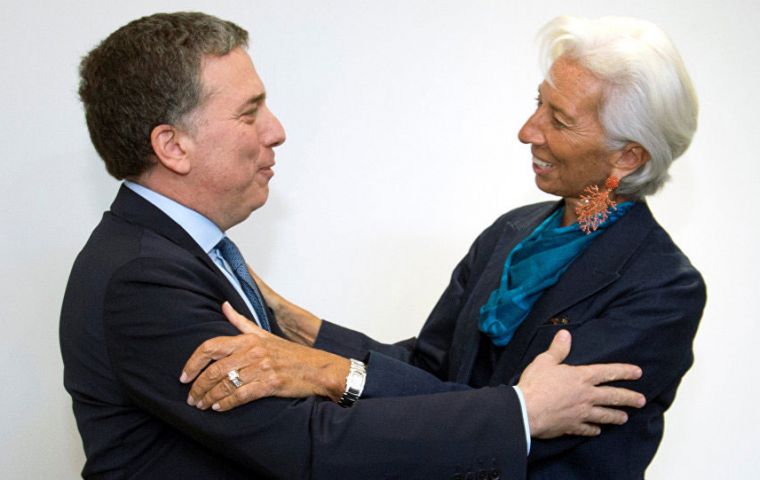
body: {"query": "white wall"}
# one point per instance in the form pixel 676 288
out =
pixel 402 120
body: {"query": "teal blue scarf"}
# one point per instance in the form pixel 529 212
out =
pixel 534 265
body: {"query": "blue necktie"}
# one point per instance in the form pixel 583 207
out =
pixel 236 261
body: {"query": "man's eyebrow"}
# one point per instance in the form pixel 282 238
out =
pixel 254 100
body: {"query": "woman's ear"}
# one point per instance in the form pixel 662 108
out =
pixel 630 158
pixel 170 148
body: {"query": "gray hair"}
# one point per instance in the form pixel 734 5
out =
pixel 648 97
pixel 145 74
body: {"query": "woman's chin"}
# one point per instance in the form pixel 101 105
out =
pixel 546 187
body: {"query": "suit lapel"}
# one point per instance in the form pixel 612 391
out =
pixel 596 268
pixel 135 209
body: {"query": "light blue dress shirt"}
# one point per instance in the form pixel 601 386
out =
pixel 205 232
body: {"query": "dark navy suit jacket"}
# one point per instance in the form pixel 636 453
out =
pixel 632 296
pixel 142 296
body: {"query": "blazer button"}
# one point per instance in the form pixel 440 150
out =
pixel 559 320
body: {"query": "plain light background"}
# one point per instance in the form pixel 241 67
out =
pixel 402 119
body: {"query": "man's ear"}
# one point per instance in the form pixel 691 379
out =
pixel 629 159
pixel 170 147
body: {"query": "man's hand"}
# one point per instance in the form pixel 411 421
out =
pixel 567 400
pixel 268 366
pixel 299 325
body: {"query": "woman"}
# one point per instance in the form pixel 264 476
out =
pixel 615 109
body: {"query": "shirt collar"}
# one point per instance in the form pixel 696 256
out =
pixel 201 229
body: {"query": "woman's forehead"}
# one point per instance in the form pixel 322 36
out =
pixel 572 87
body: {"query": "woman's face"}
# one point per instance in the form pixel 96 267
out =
pixel 567 141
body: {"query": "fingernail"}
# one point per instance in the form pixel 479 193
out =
pixel 216 406
pixel 642 401
pixel 183 377
pixel 199 405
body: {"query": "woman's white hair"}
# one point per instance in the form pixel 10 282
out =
pixel 648 97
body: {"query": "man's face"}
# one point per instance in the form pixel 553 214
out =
pixel 233 135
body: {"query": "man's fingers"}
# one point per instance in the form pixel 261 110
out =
pixel 611 372
pixel 239 321
pixel 560 346
pixel 585 430
pixel 602 415
pixel 212 349
pixel 618 397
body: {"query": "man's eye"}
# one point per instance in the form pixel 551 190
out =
pixel 250 115
pixel 538 101
pixel 557 123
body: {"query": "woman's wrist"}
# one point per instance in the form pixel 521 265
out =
pixel 298 325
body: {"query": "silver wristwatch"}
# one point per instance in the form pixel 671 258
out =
pixel 357 376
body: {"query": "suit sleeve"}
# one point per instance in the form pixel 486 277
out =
pixel 651 322
pixel 417 365
pixel 157 311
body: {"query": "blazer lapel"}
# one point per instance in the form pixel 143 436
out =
pixel 467 337
pixel 595 269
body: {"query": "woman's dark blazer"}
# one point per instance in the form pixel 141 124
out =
pixel 631 297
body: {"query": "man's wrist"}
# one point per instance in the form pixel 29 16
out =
pixel 526 422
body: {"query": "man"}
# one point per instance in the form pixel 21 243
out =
pixel 175 108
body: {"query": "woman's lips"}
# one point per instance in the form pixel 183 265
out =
pixel 539 166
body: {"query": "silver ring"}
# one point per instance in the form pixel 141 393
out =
pixel 234 378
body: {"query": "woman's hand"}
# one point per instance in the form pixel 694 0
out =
pixel 299 325
pixel 268 366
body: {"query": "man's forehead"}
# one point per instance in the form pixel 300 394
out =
pixel 232 74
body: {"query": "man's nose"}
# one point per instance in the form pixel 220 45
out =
pixel 273 134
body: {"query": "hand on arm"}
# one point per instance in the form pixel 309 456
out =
pixel 571 400
pixel 299 325
pixel 268 366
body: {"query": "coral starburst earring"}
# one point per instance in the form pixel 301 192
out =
pixel 595 204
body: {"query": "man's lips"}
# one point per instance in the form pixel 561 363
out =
pixel 266 170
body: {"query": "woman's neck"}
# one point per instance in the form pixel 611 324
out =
pixel 568 216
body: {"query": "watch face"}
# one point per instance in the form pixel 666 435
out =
pixel 354 378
